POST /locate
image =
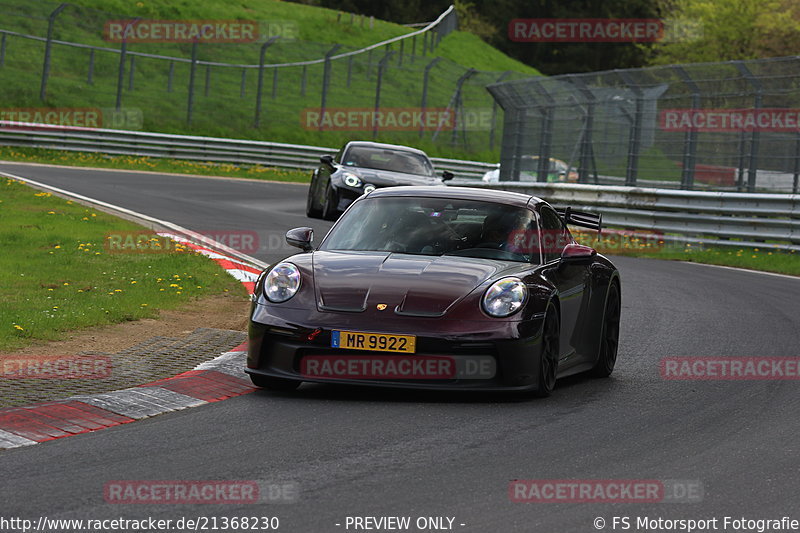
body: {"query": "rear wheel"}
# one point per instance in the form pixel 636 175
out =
pixel 329 208
pixel 548 362
pixel 312 209
pixel 274 384
pixel 609 335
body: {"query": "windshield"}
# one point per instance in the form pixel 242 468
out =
pixel 437 226
pixel 388 159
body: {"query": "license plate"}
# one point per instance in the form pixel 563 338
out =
pixel 374 342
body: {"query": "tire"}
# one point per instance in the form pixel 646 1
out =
pixel 609 335
pixel 329 211
pixel 312 209
pixel 548 362
pixel 274 384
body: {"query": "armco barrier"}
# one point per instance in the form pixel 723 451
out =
pixel 719 218
pixel 193 148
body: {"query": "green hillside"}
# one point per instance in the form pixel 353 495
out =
pixel 224 97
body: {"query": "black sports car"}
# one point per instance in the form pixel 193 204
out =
pixel 361 167
pixel 438 288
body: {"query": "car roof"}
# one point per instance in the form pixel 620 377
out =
pixel 384 146
pixel 461 193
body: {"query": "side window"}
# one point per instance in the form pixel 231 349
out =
pixel 554 234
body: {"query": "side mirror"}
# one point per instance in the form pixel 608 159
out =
pixel 300 238
pixel 326 159
pixel 577 253
pixel 447 175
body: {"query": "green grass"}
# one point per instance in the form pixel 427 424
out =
pixel 170 166
pixel 56 275
pixel 223 111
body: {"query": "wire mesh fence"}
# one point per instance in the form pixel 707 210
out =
pixel 724 126
pixel 274 87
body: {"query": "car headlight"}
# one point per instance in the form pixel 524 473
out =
pixel 505 297
pixel 351 180
pixel 282 282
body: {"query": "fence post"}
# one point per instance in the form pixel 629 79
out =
pixel 690 139
pixel 546 133
pixel 458 106
pixel 326 80
pixel 752 171
pixel 349 70
pixel 424 102
pixel 192 71
pixel 413 48
pixel 381 67
pixel 796 164
pixel 274 83
pixel 303 81
pixel 635 138
pixel 207 85
pixel 3 50
pixel 243 84
pixel 51 20
pixel 502 76
pixel 121 70
pixel 587 151
pixel 400 59
pixel 90 74
pixel 131 71
pixel 259 89
pixel 170 76
pixel 425 43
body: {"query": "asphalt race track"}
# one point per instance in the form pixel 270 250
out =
pixel 355 452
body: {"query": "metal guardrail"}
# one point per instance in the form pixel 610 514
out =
pixel 720 218
pixel 715 218
pixel 188 147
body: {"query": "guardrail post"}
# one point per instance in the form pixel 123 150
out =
pixel 326 80
pixel 131 70
pixel 424 103
pixel 192 72
pixel 752 171
pixel 381 68
pixel 690 139
pixel 170 76
pixel 51 20
pixel 3 50
pixel 243 84
pixel 635 138
pixel 545 133
pixel 502 76
pixel 90 74
pixel 260 87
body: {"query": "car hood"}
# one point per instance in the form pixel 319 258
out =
pixel 386 178
pixel 413 285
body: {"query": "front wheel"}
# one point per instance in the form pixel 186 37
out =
pixel 609 336
pixel 548 361
pixel 274 384
pixel 330 207
pixel 312 209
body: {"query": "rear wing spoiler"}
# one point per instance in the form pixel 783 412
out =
pixel 581 218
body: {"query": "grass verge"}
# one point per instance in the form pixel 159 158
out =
pixel 57 276
pixel 170 166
